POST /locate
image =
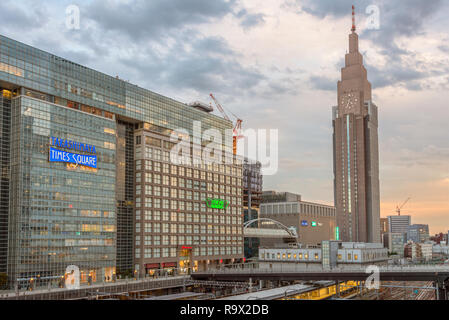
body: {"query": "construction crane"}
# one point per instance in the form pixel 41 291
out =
pixel 237 131
pixel 398 208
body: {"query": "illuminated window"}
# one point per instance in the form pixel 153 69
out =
pixel 11 69
pixel 356 257
pixel 316 256
pixel 349 256
pixel 339 257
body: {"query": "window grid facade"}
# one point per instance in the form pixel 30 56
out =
pixel 171 206
pixel 61 214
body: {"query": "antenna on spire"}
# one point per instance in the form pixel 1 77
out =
pixel 353 20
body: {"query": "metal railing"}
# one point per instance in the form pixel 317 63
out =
pixel 119 286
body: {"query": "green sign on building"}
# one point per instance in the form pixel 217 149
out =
pixel 216 203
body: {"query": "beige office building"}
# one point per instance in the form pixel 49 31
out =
pixel 313 222
pixel 175 225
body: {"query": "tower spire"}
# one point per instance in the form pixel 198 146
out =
pixel 353 19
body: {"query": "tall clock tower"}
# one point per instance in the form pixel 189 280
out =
pixel 356 155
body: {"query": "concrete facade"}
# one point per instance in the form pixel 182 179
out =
pixel 313 222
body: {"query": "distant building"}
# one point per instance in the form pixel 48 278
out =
pixel 328 255
pixel 441 250
pixel 385 240
pixel 408 250
pixel 398 224
pixel 252 189
pixel 418 233
pixel 422 251
pixel 384 225
pixel 273 196
pixel 438 238
pixel 313 222
pixel 384 229
pixel 396 243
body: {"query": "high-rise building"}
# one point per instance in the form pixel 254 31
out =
pixel 356 158
pixel 398 224
pixel 87 176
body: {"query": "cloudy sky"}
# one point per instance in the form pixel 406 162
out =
pixel 276 63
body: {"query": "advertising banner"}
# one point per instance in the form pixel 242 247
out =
pixel 79 159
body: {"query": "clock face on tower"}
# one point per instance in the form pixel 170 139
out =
pixel 348 101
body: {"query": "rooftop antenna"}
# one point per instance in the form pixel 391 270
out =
pixel 353 20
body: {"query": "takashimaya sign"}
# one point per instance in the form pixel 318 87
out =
pixel 56 155
pixel 216 203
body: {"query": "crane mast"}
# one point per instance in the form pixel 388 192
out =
pixel 237 131
pixel 398 208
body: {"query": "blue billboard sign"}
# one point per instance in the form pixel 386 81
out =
pixel 304 223
pixel 68 157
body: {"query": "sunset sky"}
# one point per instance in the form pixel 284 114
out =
pixel 276 64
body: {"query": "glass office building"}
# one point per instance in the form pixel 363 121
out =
pixel 73 144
